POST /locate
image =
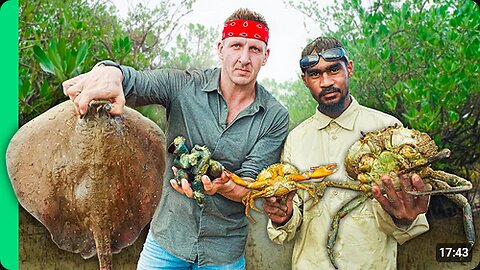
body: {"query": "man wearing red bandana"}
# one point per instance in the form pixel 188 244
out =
pixel 223 108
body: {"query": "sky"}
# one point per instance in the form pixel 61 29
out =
pixel 288 34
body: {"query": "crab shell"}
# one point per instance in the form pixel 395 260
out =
pixel 276 171
pixel 393 139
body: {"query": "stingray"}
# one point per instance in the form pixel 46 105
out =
pixel 93 181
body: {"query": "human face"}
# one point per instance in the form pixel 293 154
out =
pixel 328 84
pixel 242 59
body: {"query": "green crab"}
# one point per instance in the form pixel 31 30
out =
pixel 394 151
pixel 192 165
pixel 280 179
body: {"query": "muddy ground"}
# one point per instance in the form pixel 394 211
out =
pixel 37 251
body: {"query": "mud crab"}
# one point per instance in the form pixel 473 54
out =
pixel 192 165
pixel 278 180
pixel 395 151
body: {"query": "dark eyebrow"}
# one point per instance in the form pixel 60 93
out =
pixel 329 68
pixel 313 70
pixel 336 65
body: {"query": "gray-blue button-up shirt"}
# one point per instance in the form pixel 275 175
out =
pixel 215 233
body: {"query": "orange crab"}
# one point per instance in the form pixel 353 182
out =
pixel 278 180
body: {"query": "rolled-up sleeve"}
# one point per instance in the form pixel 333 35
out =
pixel 154 86
pixel 286 232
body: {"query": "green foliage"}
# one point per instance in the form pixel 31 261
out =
pixel 59 61
pixel 295 96
pixel 154 112
pixel 152 31
pixel 57 39
pixel 417 60
pixel 60 39
pixel 193 48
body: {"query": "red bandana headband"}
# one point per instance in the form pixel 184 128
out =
pixel 246 29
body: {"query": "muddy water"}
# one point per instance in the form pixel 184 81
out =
pixel 37 251
pixel 419 253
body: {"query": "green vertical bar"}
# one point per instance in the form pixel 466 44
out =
pixel 9 120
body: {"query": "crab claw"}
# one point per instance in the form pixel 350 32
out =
pixel 178 147
pixel 318 172
pixel 229 174
pixel 236 179
pixel 322 171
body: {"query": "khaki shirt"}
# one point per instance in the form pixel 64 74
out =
pixel 367 236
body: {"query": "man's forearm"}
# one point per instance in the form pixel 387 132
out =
pixel 233 191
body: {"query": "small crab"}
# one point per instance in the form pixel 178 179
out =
pixel 192 166
pixel 395 151
pixel 278 180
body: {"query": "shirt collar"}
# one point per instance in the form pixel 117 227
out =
pixel 213 81
pixel 213 84
pixel 346 120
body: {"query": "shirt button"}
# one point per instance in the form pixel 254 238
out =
pixel 334 137
pixel 335 193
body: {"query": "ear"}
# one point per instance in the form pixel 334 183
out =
pixel 267 53
pixel 350 68
pixel 304 79
pixel 220 49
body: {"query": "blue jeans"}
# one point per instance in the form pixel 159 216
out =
pixel 154 257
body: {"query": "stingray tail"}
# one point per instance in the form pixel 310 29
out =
pixel 104 251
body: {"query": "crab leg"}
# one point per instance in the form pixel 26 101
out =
pixel 461 201
pixel 254 195
pixel 332 234
pixel 445 153
pixel 249 202
pixel 455 184
pixel 467 216
pixel 319 172
pixel 310 191
pixel 249 199
pixel 365 188
pixel 239 181
pixel 352 186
